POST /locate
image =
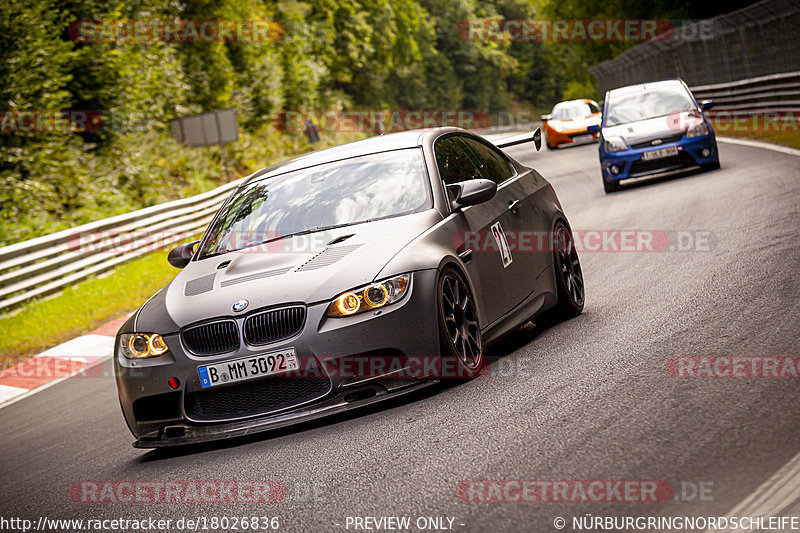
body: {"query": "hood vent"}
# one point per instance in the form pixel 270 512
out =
pixel 253 277
pixel 327 257
pixel 339 240
pixel 199 285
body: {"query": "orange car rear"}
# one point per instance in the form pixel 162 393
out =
pixel 571 122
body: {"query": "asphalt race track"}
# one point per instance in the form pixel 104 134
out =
pixel 587 399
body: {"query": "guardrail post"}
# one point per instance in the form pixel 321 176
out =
pixel 786 48
pixel 743 47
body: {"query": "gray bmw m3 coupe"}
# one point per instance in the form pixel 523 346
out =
pixel 344 277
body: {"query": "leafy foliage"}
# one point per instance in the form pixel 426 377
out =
pixel 331 54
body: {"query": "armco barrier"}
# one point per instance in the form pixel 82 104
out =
pixel 47 264
pixel 774 92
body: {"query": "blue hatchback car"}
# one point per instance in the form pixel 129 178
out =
pixel 653 128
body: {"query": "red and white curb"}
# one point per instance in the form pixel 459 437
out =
pixel 58 363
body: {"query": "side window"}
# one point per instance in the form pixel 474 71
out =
pixel 454 163
pixel 493 166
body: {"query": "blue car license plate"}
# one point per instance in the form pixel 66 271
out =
pixel 658 154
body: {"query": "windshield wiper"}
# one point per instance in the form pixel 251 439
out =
pixel 312 229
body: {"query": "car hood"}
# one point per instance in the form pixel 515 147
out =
pixel 306 269
pixel 652 128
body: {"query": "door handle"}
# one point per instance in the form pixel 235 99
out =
pixel 513 206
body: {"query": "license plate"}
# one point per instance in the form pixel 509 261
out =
pixel 582 138
pixel 658 154
pixel 248 368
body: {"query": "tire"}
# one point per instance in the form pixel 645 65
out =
pixel 570 289
pixel 459 332
pixel 610 186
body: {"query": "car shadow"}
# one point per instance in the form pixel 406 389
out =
pixel 663 178
pixel 507 345
pixel 573 145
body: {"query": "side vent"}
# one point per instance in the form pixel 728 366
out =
pixel 327 257
pixel 253 277
pixel 199 285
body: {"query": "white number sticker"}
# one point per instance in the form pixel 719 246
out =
pixel 502 244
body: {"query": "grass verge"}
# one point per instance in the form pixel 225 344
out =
pixel 81 307
pixel 784 137
pixel 44 323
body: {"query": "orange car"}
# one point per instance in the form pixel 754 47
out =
pixel 572 121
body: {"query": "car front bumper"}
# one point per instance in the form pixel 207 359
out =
pixel 396 337
pixel 179 434
pixel 630 165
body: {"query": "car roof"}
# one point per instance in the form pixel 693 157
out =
pixel 370 145
pixel 644 86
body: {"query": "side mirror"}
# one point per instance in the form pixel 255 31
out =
pixel 180 256
pixel 537 138
pixel 706 104
pixel 545 118
pixel 473 192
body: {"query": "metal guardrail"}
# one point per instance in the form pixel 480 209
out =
pixel 747 44
pixel 772 93
pixel 524 126
pixel 45 265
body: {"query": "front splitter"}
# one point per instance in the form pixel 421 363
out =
pixel 180 435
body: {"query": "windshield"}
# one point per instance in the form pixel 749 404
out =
pixel 571 110
pixel 649 103
pixel 312 199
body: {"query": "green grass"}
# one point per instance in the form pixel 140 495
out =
pixel 44 323
pixel 786 137
pixel 81 307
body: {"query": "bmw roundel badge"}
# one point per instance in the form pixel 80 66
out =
pixel 240 305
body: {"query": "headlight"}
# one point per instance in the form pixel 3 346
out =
pixel 142 345
pixel 614 144
pixel 697 131
pixel 369 297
